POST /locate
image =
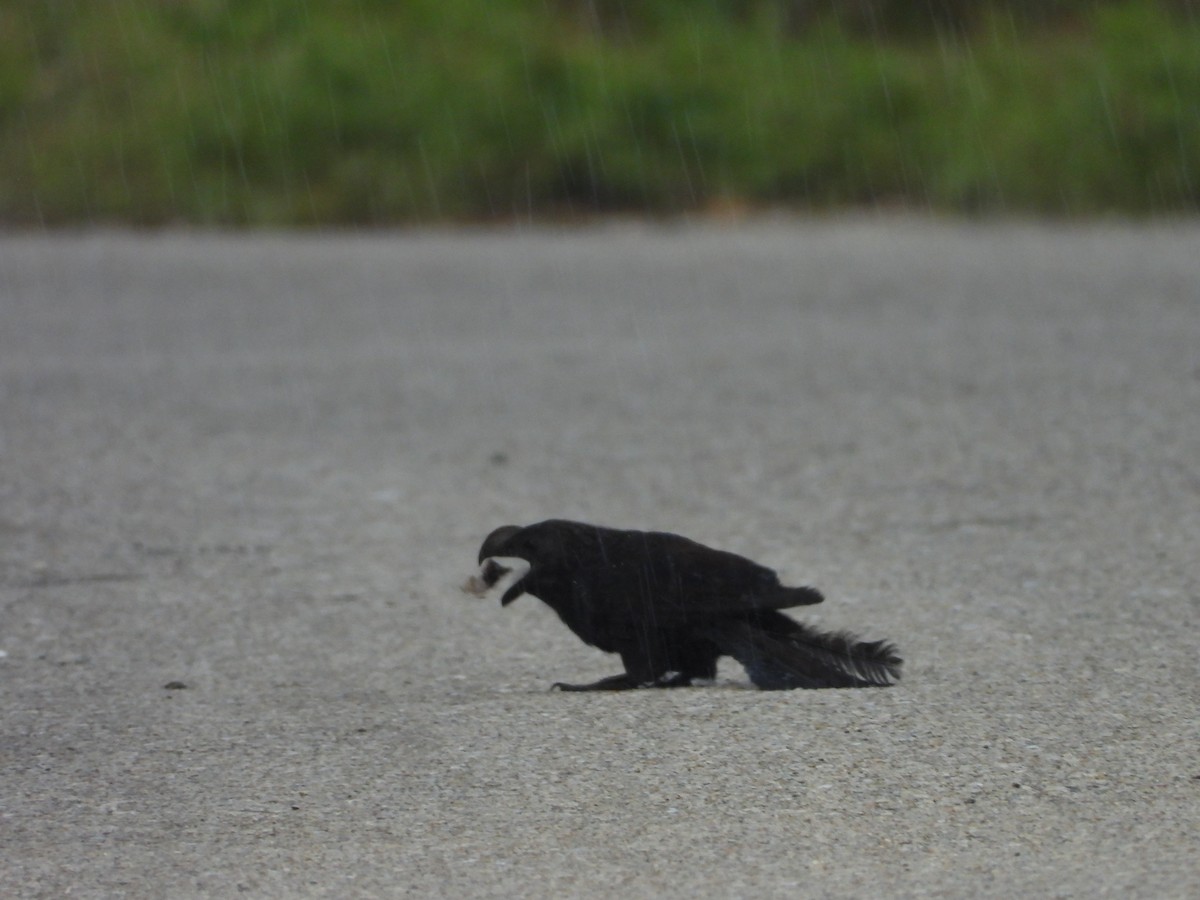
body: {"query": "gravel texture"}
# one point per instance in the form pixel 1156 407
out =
pixel 241 479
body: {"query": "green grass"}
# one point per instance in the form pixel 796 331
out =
pixel 321 112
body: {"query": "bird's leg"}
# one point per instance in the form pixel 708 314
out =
pixel 622 682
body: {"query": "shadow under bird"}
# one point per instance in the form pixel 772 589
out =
pixel 671 607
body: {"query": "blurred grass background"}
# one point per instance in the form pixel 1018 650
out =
pixel 359 112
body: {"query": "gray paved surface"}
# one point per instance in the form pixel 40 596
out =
pixel 261 466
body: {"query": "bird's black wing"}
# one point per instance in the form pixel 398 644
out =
pixel 680 578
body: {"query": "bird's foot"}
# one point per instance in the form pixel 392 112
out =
pixel 620 682
pixel 626 682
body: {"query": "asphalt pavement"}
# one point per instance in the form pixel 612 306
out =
pixel 243 476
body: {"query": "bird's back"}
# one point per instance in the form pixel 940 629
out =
pixel 665 577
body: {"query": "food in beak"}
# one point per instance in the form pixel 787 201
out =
pixel 485 579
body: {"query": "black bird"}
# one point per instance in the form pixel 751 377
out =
pixel 670 607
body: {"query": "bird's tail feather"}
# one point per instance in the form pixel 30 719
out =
pixel 802 657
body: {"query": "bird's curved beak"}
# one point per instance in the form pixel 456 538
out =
pixel 513 593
